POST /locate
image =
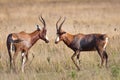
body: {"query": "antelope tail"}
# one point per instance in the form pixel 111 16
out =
pixel 10 45
pixel 10 41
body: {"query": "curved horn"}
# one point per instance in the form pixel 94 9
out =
pixel 62 23
pixel 57 23
pixel 43 21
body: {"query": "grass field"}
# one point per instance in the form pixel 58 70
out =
pixel 51 61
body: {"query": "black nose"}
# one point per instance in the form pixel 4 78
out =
pixel 56 42
pixel 47 41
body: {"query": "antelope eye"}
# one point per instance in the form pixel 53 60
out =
pixel 60 33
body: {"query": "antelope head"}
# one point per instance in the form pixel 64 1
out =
pixel 43 31
pixel 60 33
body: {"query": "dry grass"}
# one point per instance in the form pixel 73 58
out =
pixel 53 62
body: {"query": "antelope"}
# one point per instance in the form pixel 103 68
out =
pixel 83 42
pixel 22 42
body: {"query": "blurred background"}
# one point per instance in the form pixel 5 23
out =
pixel 51 61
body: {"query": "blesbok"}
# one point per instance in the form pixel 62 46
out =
pixel 83 42
pixel 22 42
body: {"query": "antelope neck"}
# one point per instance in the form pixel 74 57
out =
pixel 34 36
pixel 68 38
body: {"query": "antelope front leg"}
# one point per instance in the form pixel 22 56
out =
pixel 78 56
pixel 74 61
pixel 24 60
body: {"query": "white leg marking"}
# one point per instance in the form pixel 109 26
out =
pixel 106 41
pixel 23 61
pixel 23 54
pixel 23 64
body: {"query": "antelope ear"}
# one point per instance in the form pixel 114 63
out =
pixel 38 28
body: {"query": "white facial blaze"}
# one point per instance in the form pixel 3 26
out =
pixel 57 38
pixel 46 37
